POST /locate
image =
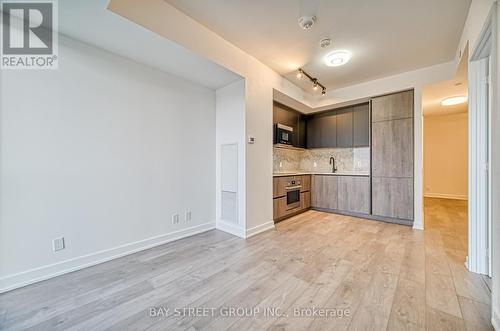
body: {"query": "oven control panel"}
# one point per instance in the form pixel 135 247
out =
pixel 293 182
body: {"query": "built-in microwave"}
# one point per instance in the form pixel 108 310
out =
pixel 283 134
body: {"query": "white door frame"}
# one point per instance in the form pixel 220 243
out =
pixel 480 104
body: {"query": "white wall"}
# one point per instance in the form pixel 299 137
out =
pixel 101 151
pixel 230 129
pixel 478 13
pixel 445 156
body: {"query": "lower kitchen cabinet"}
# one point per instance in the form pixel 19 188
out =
pixel 354 194
pixel 286 186
pixel 305 200
pixel 392 197
pixel 324 191
pixel 279 207
pixel 305 182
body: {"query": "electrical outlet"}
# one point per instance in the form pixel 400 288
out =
pixel 187 216
pixel 315 164
pixel 175 218
pixel 58 244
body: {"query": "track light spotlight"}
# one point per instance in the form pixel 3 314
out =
pixel 316 83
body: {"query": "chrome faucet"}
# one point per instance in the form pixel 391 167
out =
pixel 332 162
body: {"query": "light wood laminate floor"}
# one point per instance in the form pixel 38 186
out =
pixel 382 276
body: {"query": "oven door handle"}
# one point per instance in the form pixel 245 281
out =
pixel 293 187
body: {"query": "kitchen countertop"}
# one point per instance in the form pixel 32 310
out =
pixel 338 173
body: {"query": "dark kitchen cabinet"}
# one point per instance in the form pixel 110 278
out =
pixel 301 134
pixel 345 128
pixel 321 131
pixel 361 126
pixel 313 133
pixel 284 115
pixel 292 118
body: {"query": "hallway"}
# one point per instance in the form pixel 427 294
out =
pixel 461 293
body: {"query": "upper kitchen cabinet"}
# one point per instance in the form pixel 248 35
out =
pixel 301 134
pixel 361 125
pixel 292 118
pixel 345 129
pixel 338 128
pixel 321 131
pixel 392 106
pixel 342 128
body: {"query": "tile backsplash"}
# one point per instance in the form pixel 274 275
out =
pixel 318 160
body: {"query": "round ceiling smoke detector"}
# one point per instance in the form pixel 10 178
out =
pixel 306 22
pixel 325 42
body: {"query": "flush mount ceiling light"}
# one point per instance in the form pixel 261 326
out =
pixel 454 101
pixel 337 58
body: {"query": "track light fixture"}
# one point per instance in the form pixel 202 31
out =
pixel 316 83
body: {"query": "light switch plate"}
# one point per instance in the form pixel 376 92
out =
pixel 58 244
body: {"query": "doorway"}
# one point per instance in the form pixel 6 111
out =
pixel 445 123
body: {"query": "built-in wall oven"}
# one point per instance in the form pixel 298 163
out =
pixel 293 187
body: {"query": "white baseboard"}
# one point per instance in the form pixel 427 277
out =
pixel 446 196
pixel 259 228
pixel 35 275
pixel 230 228
pixel 495 319
pixel 418 226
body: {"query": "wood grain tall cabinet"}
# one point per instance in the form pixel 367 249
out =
pixel 392 156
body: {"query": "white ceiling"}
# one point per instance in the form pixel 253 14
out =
pixel 89 21
pixel 386 37
pixel 433 94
